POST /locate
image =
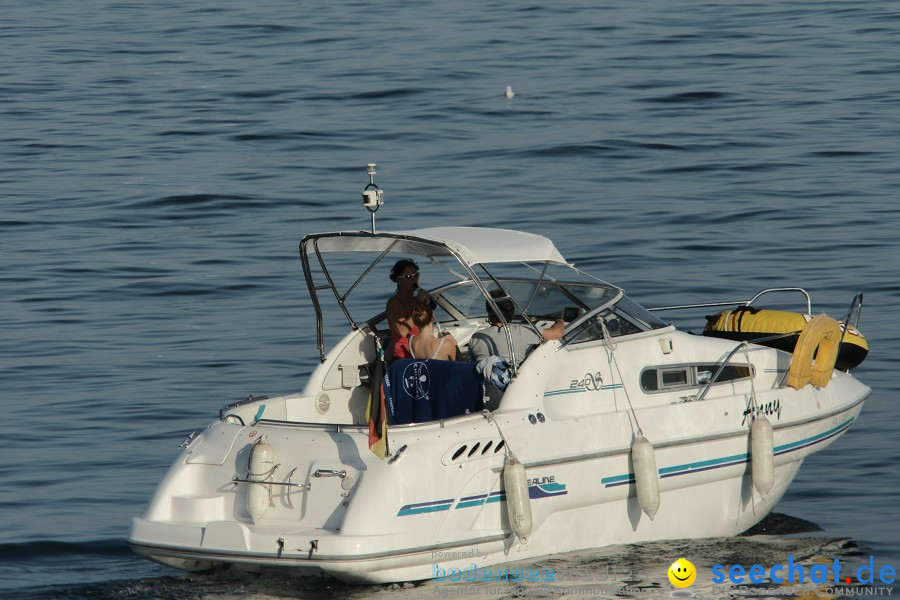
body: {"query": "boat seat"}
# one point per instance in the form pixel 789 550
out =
pixel 417 391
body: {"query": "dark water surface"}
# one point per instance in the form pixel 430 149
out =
pixel 159 162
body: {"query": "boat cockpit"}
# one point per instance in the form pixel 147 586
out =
pixel 586 309
pixel 539 282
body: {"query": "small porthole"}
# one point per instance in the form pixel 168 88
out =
pixel 474 449
pixel 486 447
pixel 498 447
pixel 459 452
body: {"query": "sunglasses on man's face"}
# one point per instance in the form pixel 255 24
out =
pixel 408 275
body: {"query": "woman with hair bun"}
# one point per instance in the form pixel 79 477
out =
pixel 405 273
pixel 425 344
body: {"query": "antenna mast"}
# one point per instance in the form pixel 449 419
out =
pixel 373 196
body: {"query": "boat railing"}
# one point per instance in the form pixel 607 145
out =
pixel 853 314
pixel 741 346
pixel 855 307
pixel 225 411
pixel 740 302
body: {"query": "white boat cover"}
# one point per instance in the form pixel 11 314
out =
pixel 475 245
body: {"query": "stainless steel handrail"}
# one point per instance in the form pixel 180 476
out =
pixel 330 473
pixel 223 412
pixel 858 310
pixel 743 344
pixel 785 289
pixel 856 304
pixel 701 305
pixel 744 302
pixel 289 483
pixel 721 368
pixel 303 486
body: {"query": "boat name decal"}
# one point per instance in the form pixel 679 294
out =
pixel 773 407
pixel 542 480
pixel 590 381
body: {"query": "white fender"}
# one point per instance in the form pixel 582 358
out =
pixel 518 505
pixel 762 455
pixel 646 476
pixel 262 462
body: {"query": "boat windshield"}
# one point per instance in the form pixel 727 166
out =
pixel 548 300
pixel 624 317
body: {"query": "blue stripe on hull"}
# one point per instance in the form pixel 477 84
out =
pixel 550 490
pixel 728 461
pixel 547 490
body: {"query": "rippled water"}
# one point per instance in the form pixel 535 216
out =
pixel 161 160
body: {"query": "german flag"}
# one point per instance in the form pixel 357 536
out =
pixel 375 411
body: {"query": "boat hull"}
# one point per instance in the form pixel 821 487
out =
pixel 455 518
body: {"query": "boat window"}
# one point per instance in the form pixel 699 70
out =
pixel 592 296
pixel 441 315
pixel 466 299
pixel 674 377
pixel 626 317
pixel 639 314
pixel 592 329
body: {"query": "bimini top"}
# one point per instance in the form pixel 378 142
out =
pixel 474 245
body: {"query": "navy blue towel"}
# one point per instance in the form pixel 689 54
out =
pixel 417 390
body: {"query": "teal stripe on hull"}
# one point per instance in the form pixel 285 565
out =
pixel 724 461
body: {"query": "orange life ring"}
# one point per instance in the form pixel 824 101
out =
pixel 822 333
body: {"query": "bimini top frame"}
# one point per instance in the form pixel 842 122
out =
pixel 470 246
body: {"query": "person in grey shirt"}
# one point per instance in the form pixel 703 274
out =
pixel 492 341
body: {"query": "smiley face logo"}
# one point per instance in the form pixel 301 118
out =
pixel 682 573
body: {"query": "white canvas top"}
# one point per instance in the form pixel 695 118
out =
pixel 475 245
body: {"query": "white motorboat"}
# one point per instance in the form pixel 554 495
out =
pixel 624 430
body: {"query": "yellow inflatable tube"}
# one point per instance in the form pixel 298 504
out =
pixel 748 323
pixel 808 365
